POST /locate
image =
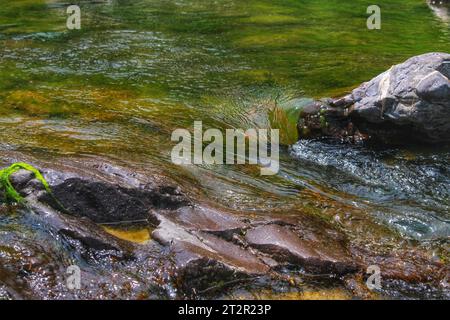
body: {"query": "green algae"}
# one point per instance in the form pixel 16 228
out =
pixel 29 16
pixel 10 193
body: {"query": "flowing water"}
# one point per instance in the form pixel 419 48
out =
pixel 139 69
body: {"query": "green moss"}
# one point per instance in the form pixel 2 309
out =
pixel 10 193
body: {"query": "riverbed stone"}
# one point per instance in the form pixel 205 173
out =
pixel 285 245
pixel 412 266
pixel 20 178
pixel 410 101
pixel 83 233
pixel 202 260
pixel 105 203
pixel 25 183
pixel 207 220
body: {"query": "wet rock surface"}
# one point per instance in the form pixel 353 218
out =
pixel 196 250
pixel 287 245
pixel 102 202
pixel 207 220
pixel 202 259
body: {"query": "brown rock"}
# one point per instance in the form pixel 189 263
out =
pixel 285 245
pixel 202 260
pixel 207 220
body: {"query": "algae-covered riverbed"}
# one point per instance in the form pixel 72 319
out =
pixel 113 92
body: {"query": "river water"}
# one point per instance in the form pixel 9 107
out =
pixel 139 69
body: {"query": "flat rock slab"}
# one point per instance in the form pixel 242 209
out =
pixel 197 244
pixel 207 220
pixel 285 245
pixel 202 259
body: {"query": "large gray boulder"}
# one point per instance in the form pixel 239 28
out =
pixel 409 101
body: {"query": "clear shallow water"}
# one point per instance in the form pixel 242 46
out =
pixel 139 69
pixel 410 191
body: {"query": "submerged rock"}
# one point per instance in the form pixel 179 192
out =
pixel 207 247
pixel 328 118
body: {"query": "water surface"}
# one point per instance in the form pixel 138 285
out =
pixel 139 69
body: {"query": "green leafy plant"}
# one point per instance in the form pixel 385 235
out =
pixel 10 192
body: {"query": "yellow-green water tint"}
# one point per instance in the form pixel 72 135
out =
pixel 137 70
